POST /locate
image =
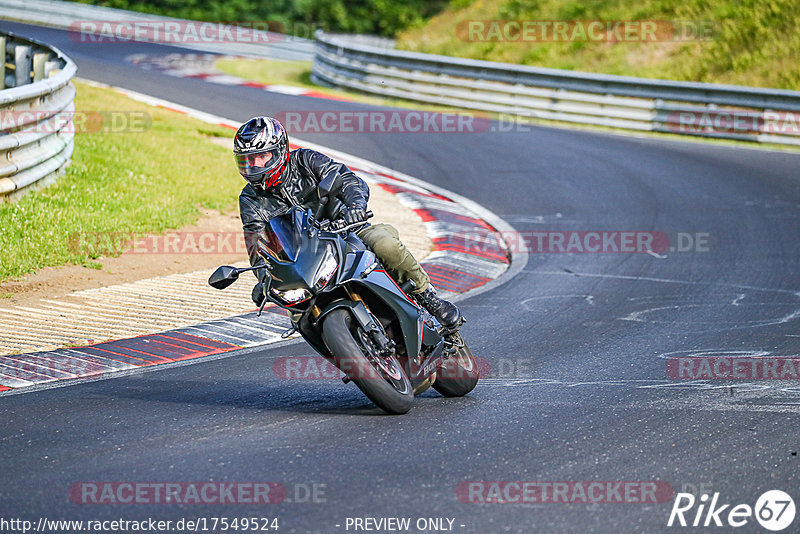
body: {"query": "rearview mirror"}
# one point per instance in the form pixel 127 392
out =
pixel 223 277
pixel 325 186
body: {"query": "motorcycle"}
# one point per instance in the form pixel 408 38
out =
pixel 352 312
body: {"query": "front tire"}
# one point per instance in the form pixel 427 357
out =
pixel 459 374
pixel 392 393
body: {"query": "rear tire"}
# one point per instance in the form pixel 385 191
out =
pixel 459 374
pixel 395 397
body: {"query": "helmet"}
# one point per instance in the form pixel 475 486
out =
pixel 261 150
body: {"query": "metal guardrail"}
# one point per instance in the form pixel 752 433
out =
pixel 36 110
pixel 723 111
pixel 69 15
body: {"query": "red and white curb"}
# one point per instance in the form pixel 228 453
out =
pixel 469 256
pixel 202 67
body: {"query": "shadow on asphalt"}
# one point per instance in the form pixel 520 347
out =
pixel 323 397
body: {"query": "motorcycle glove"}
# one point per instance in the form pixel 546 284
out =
pixel 355 215
pixel 258 294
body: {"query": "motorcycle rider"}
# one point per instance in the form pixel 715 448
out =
pixel 278 179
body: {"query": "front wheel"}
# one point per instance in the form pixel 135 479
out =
pixel 381 378
pixel 459 374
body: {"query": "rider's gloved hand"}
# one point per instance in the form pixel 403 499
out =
pixel 258 293
pixel 354 215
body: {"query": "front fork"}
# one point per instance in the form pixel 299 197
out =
pixel 375 330
pixel 426 371
pixel 370 325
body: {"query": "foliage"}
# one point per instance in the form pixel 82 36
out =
pixel 750 42
pixel 298 17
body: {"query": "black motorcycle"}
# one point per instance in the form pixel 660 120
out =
pixel 346 306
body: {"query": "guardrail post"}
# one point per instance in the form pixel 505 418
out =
pixel 2 63
pixel 50 67
pixel 39 61
pixel 22 61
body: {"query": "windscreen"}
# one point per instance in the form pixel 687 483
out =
pixel 280 239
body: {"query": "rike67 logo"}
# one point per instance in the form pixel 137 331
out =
pixel 774 510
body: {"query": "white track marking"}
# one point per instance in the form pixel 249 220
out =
pixel 656 254
pixel 116 365
pixel 638 316
pixel 527 303
pixel 239 324
pixel 213 334
pixel 662 280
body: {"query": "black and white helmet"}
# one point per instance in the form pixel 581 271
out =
pixel 261 150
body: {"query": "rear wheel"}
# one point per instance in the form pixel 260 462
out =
pixel 381 378
pixel 459 374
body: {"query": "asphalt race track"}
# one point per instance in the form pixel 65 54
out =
pixel 578 345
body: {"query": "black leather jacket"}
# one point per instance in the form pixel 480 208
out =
pixel 306 169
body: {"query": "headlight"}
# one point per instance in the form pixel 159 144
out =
pixel 292 296
pixel 326 270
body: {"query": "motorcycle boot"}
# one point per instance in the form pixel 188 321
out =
pixel 445 311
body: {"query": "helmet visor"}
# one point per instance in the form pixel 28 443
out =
pixel 255 165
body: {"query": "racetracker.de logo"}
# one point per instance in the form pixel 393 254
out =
pixel 734 121
pixel 383 121
pixel 175 31
pixel 605 31
pixel 490 242
pixel 564 492
pixel 318 368
pixel 169 243
pixel 580 241
pixel 732 368
pixel 177 493
pixel 79 122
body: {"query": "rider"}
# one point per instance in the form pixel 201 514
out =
pixel 278 179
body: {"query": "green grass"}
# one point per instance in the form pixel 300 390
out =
pixel 295 73
pixel 118 185
pixel 752 42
